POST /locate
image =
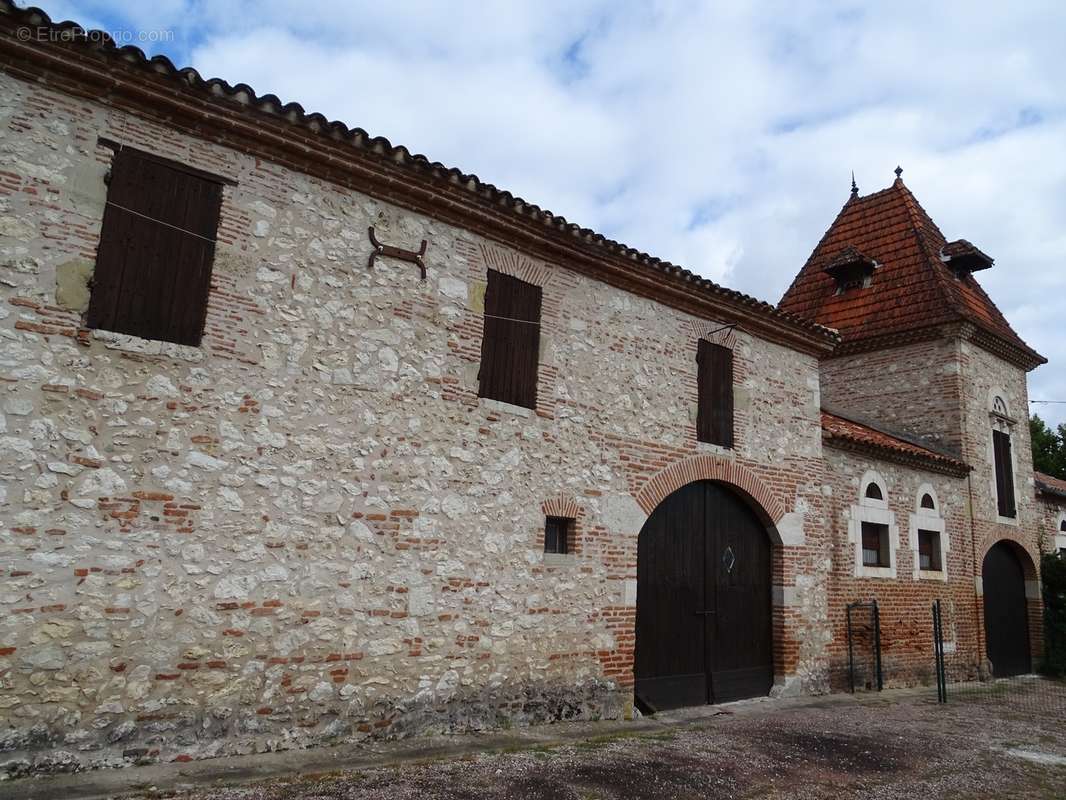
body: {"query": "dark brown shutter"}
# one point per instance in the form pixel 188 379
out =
pixel 510 347
pixel 714 418
pixel 153 264
pixel 1004 473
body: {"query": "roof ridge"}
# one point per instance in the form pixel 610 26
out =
pixel 102 45
pixel 912 289
pixel 941 271
pixel 919 217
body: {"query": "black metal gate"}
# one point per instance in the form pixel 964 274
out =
pixel 864 645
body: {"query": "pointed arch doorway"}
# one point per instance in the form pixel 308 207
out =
pixel 704 631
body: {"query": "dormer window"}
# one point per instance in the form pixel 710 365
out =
pixel 851 269
pixel 964 258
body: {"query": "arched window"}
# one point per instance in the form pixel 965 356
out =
pixel 929 537
pixel 873 530
pixel 1062 526
pixel 999 406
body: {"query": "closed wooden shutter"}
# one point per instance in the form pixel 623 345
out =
pixel 153 264
pixel 714 419
pixel 510 347
pixel 1004 473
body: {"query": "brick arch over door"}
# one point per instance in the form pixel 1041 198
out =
pixel 764 502
pixel 1027 557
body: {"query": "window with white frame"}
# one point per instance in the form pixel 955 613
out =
pixel 928 537
pixel 872 530
pixel 1003 457
pixel 1060 536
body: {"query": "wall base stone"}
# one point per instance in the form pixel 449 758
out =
pixel 186 736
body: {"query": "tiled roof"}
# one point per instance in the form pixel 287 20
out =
pixel 961 248
pixel 418 167
pixel 850 434
pixel 1049 485
pixel 912 288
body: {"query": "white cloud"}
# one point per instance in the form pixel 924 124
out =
pixel 719 136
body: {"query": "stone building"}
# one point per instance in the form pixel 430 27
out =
pixel 305 438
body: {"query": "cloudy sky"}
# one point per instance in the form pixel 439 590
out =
pixel 720 136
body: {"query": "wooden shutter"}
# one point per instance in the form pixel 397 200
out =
pixel 153 264
pixel 1004 473
pixel 510 347
pixel 714 419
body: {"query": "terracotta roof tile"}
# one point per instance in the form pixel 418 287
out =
pixel 1050 485
pixel 215 90
pixel 854 435
pixel 912 288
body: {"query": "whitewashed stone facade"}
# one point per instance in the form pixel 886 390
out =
pixel 311 527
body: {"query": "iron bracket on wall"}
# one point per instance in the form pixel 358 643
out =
pixel 387 250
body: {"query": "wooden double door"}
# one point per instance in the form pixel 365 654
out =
pixel 704 632
pixel 1006 612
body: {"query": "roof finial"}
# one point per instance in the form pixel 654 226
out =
pixel 899 172
pixel 854 187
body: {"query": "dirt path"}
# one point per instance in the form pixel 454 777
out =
pixel 896 745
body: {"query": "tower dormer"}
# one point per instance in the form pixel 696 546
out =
pixel 906 302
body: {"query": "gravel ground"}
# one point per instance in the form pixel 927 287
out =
pixel 882 747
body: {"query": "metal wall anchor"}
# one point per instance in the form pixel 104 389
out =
pixel 414 256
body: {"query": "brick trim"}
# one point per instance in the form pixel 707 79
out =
pixel 1022 549
pixel 705 329
pixel 513 263
pixel 561 506
pixel 709 468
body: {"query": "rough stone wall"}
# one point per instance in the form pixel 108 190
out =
pixel 984 375
pixel 913 389
pixel 310 527
pixel 904 601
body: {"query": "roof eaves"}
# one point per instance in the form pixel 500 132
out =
pixel 938 459
pixel 821 338
pixel 1046 484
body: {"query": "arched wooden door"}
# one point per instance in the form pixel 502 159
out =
pixel 704 632
pixel 1006 612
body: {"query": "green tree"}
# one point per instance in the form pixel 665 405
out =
pixel 1049 447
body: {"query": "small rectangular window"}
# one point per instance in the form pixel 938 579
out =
pixel 557 535
pixel 157 244
pixel 929 551
pixel 875 545
pixel 714 418
pixel 510 345
pixel 1001 447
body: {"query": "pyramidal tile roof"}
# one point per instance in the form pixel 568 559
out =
pixel 913 287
